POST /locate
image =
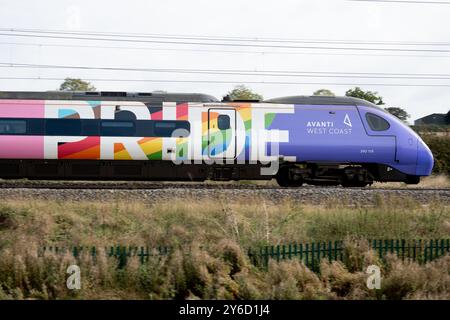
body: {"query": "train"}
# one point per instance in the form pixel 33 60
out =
pixel 296 140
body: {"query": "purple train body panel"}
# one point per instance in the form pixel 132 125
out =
pixel 344 136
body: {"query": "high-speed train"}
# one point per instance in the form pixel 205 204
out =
pixel 172 136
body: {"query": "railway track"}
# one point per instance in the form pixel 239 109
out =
pixel 154 192
pixel 74 185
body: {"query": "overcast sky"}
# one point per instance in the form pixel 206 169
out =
pixel 299 19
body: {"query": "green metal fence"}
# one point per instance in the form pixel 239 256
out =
pixel 121 253
pixel 310 254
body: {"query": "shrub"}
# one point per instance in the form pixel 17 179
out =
pixel 440 146
pixel 292 280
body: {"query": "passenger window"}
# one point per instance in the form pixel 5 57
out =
pixel 13 126
pixel 62 127
pixel 377 123
pixel 167 128
pixel 117 128
pixel 223 122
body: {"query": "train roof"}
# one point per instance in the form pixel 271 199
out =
pixel 321 100
pixel 158 97
pixel 108 95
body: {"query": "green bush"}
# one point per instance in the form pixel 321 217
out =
pixel 440 146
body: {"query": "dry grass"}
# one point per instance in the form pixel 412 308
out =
pixel 214 236
pixel 432 182
pixel 222 272
pixel 250 223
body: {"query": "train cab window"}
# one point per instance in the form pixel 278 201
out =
pixel 223 122
pixel 377 123
pixel 13 126
pixel 167 128
pixel 62 127
pixel 117 128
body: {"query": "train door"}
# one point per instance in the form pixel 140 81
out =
pixel 221 133
pixel 380 124
pixel 381 137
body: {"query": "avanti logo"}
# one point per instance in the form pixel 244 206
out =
pixel 320 124
pixel 347 120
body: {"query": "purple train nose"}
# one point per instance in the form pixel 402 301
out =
pixel 425 159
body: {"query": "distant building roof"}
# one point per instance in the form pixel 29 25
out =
pixel 434 118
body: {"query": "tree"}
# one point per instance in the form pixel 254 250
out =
pixel 71 84
pixel 241 92
pixel 447 118
pixel 398 112
pixel 324 92
pixel 370 96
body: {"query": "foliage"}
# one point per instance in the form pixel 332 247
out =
pixel 323 92
pixel 431 128
pixel 370 96
pixel 241 92
pixel 440 146
pixel 71 84
pixel 211 241
pixel 398 112
pixel 199 273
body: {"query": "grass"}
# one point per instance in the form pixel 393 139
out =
pixel 249 224
pixel 439 181
pixel 214 236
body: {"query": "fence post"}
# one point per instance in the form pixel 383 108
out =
pixel 335 250
pixel 266 257
pixel 301 253
pixel 436 245
pixel 319 254
pixel 258 258
pixel 380 248
pixel 436 248
pixel 313 253
pixel 307 254
pixel 122 255
pixel 324 249
pixel 386 246
pixel 432 254
pixel 431 249
pixel 420 251
pixel 75 251
pixel 405 246
pixel 141 255
pixel 94 253
pixel 329 251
